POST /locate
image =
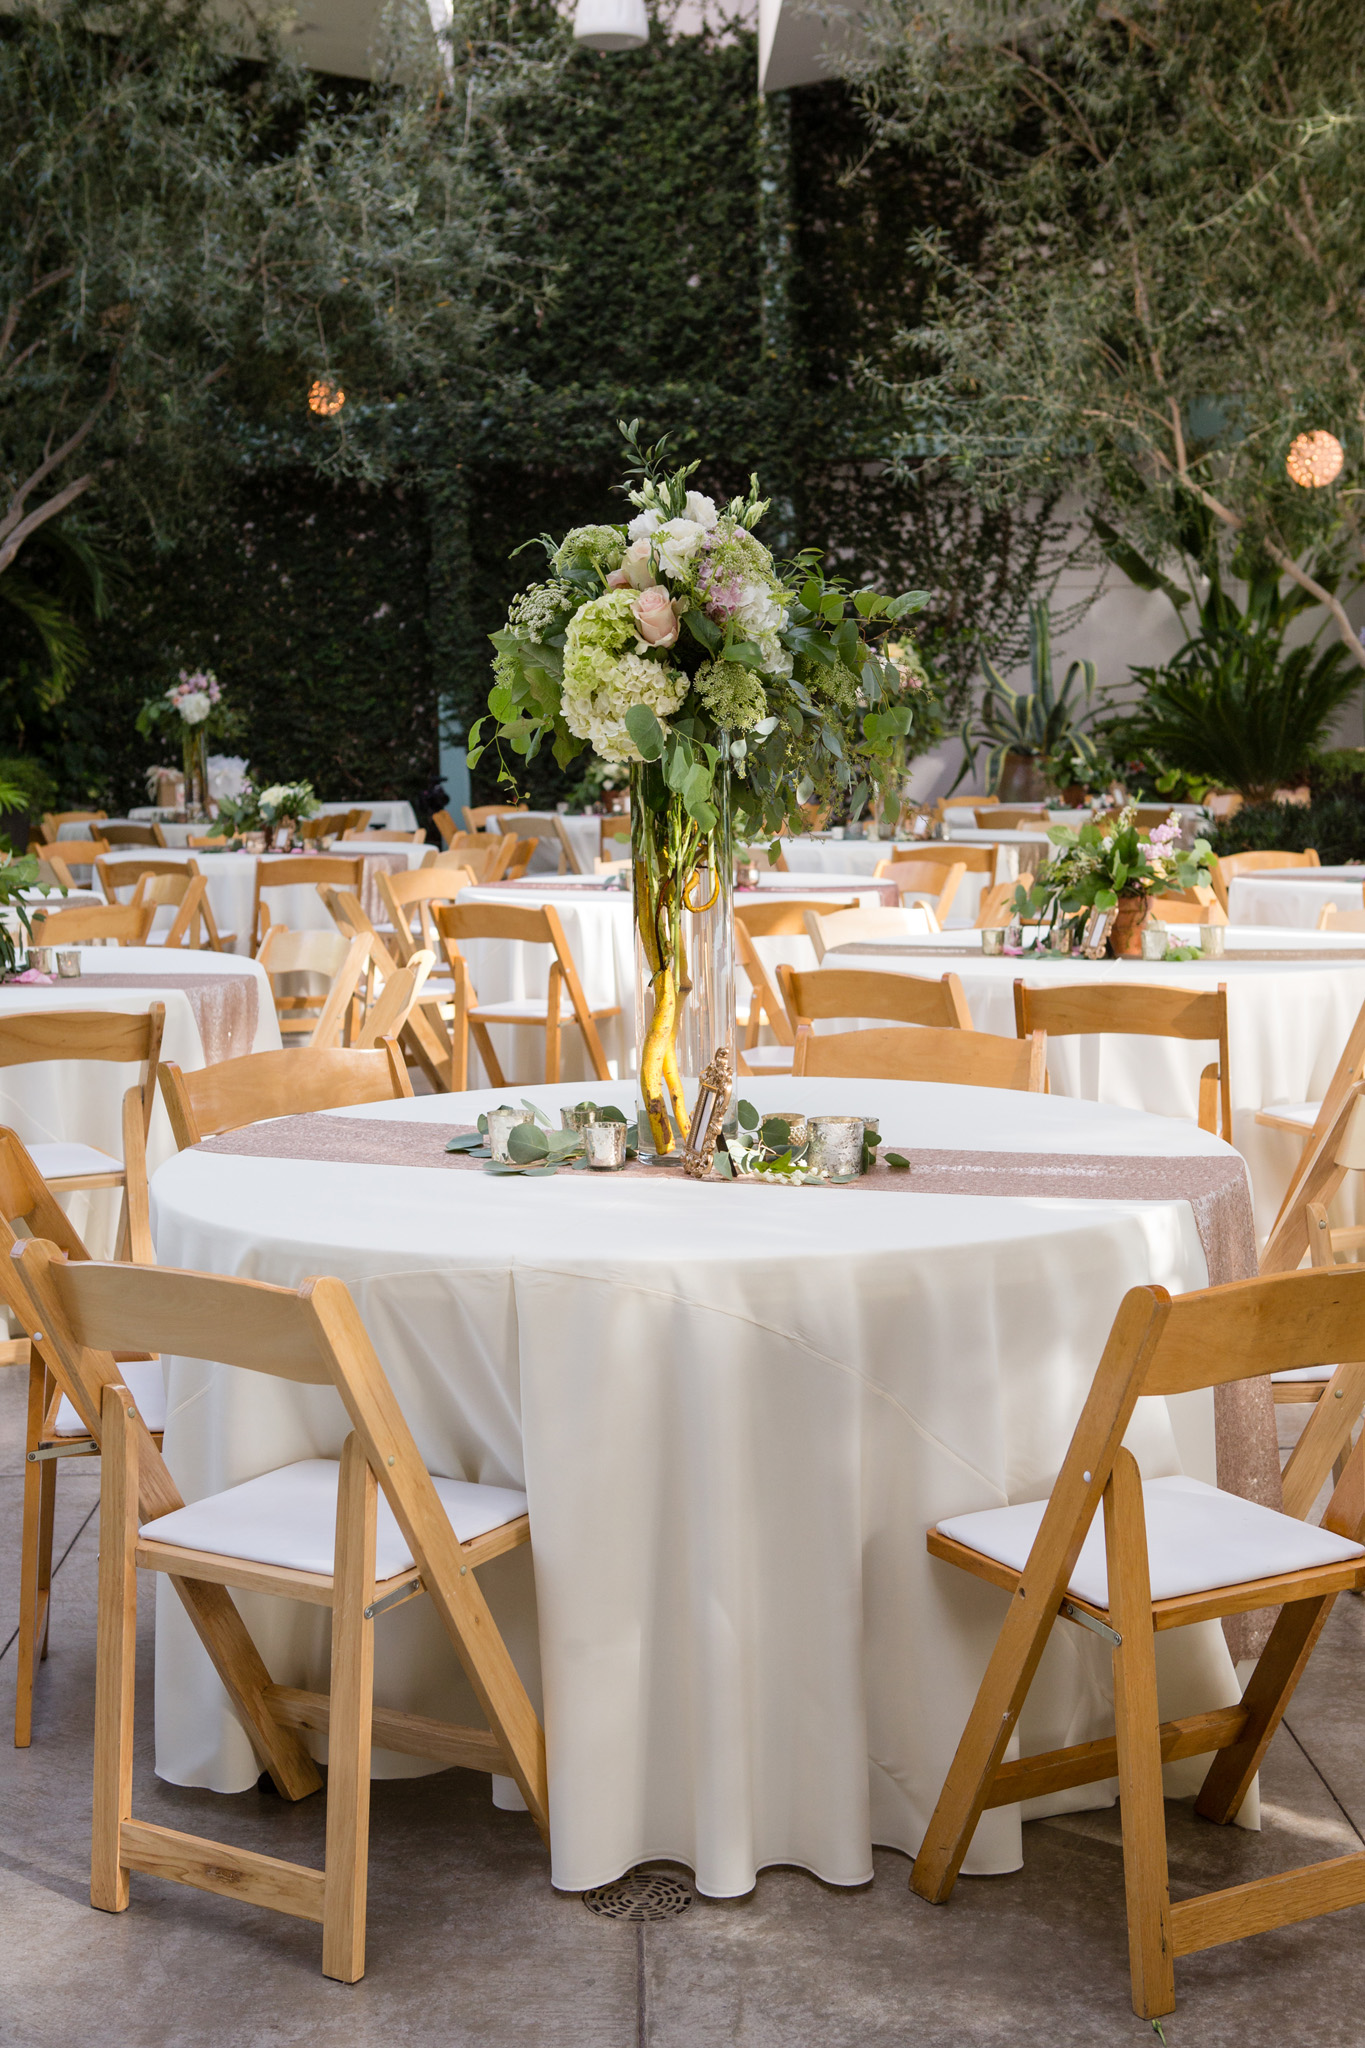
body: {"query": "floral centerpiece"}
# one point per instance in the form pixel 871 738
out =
pixel 734 688
pixel 271 810
pixel 1108 867
pixel 195 710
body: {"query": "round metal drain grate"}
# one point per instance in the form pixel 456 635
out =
pixel 640 1895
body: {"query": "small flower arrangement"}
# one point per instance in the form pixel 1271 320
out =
pixel 286 800
pixel 18 873
pixel 1097 866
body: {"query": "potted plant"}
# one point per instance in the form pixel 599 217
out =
pixel 1026 731
pixel 1108 867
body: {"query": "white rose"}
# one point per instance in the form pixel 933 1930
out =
pixel 195 706
pixel 268 798
pixel 700 508
pixel 676 542
pixel 643 524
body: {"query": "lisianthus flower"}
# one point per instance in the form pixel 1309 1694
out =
pixel 699 507
pixel 676 543
pixel 644 523
pixel 655 619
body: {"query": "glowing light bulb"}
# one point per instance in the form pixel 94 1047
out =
pixel 326 398
pixel 1315 459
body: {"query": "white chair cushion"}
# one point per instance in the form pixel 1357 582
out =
pixel 1197 1538
pixel 146 1383
pixel 774 1059
pixel 288 1517
pixel 59 1161
pixel 1305 1113
pixel 1321 1373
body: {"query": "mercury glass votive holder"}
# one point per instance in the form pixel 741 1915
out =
pixel 1153 941
pixel 42 959
pixel 577 1116
pixel 1212 941
pixel 68 963
pixel 836 1146
pixel 501 1124
pixel 993 941
pixel 604 1146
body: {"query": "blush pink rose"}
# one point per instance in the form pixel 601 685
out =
pixel 618 580
pixel 636 569
pixel 656 622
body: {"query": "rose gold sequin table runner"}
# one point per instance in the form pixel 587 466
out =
pixel 224 1006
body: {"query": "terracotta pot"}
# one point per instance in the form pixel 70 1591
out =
pixel 1022 780
pixel 1125 934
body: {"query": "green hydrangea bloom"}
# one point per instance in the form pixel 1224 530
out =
pixel 590 547
pixel 604 676
pixel 540 609
pixel 732 694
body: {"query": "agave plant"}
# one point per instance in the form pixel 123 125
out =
pixel 1040 724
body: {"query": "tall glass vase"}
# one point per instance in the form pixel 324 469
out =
pixel 196 760
pixel 684 948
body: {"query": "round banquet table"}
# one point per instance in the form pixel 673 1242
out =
pixel 1288 1020
pixel 81 1101
pixel 1294 896
pixel 735 1409
pixel 231 878
pixel 859 857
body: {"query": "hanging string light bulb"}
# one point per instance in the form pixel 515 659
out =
pixel 1315 459
pixel 326 398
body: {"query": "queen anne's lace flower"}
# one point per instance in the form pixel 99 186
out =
pixel 540 609
pixel 732 694
pixel 604 676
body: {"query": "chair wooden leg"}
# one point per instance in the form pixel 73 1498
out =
pixel 33 1579
pixel 349 1723
pixel 552 1027
pixel 1268 1692
pixel 116 1650
pixel 1146 1882
pixel 492 1069
pixel 47 1516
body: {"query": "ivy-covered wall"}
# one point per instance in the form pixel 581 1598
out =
pixel 725 266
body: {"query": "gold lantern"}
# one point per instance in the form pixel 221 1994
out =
pixel 1315 459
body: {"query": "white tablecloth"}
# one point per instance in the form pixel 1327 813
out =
pixel 1294 896
pixel 1287 1023
pixel 82 1101
pixel 232 884
pixel 735 1411
pixel 392 817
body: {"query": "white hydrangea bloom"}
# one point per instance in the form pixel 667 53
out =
pixel 195 706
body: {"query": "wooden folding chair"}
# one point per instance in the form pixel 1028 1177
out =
pixel 934 883
pixel 864 992
pixel 1233 864
pixel 1174 1552
pixel 391 1008
pixel 116 875
pixel 485 856
pixel 187 894
pixel 1332 918
pixel 132 833
pixel 54 1430
pixel 1009 817
pixel 261 1085
pixel 53 821
pixel 425 1038
pixel 546 829
pixel 972 1059
pixel 977 860
pixel 445 825
pixel 378 835
pixel 303 871
pixel 1311 1121
pixel 409 900
pixel 476 817
pixel 327 825
pixel 826 928
pixel 1092 1009
pixel 311 1531
pixel 564 1001
pixel 322 1018
pixel 613 840
pixel 781 917
pixel 996 909
pixel 94 924
pixel 36 1036
pixel 76 857
pixel 1196 905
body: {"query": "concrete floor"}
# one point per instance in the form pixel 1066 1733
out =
pixel 470 1948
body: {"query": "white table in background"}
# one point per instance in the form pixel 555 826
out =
pixel 392 817
pixel 855 858
pixel 232 885
pixel 1287 1023
pixel 735 1410
pixel 81 1102
pixel 1294 896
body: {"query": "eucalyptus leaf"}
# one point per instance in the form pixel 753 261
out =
pixel 466 1141
pixel 898 1161
pixel 525 1143
pixel 646 731
pixel 748 1116
pixel 536 1112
